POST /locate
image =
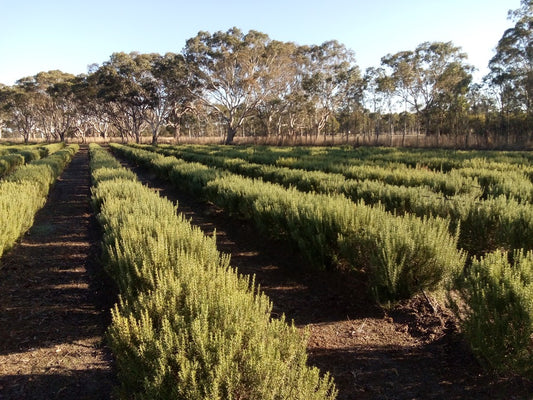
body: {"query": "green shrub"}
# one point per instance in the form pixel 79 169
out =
pixel 9 162
pixel 19 201
pixel 51 148
pixel 24 192
pixel 32 154
pixel 506 220
pixel 498 319
pixel 44 171
pixel 402 255
pixel 187 325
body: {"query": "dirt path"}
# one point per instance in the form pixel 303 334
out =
pixel 406 353
pixel 53 307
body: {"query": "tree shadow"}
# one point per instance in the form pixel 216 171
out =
pixel 60 385
pixel 407 373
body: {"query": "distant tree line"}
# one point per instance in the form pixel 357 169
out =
pixel 234 83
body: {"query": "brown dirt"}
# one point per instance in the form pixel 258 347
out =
pixel 54 303
pixel 407 352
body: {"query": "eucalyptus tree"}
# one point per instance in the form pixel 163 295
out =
pixel 429 78
pixel 49 99
pixel 91 116
pixel 376 95
pixel 124 84
pixel 482 110
pixel 58 114
pixel 298 111
pixel 511 68
pixel 283 105
pixel 450 105
pixel 331 76
pixel 170 93
pixel 21 102
pixel 292 106
pixel 3 108
pixel 235 73
pixel 385 86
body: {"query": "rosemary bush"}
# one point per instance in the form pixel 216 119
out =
pixel 9 162
pixel 402 255
pixel 187 326
pixel 498 320
pixel 506 220
pixel 24 192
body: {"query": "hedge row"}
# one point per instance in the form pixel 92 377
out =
pixel 187 325
pixel 434 159
pixel 13 156
pixel 506 223
pixel 9 162
pixel 449 184
pixel 496 309
pixel 498 319
pixel 402 254
pixel 470 174
pixel 24 192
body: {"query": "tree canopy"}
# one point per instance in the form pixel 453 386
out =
pixel 230 83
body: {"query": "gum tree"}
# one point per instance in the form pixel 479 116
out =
pixel 236 73
pixel 511 68
pixel 330 78
pixel 3 110
pixel 122 83
pixel 170 93
pixel 22 102
pixel 58 113
pixel 430 79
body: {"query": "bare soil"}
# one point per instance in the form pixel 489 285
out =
pixel 54 302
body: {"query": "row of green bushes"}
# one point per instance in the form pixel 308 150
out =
pixel 13 156
pixel 442 160
pixel 505 223
pixel 394 174
pixel 401 254
pixel 470 174
pixel 496 307
pixel 34 151
pixel 187 326
pixel 24 192
pixel 9 162
pixel 498 317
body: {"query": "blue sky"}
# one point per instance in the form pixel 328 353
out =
pixel 38 35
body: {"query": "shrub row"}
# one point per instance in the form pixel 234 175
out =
pixel 24 192
pixel 466 173
pixel 398 174
pixel 51 148
pixel 435 159
pixel 9 162
pixel 498 318
pixel 187 326
pixel 402 254
pixel 505 223
pixel 14 156
pixel 498 293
